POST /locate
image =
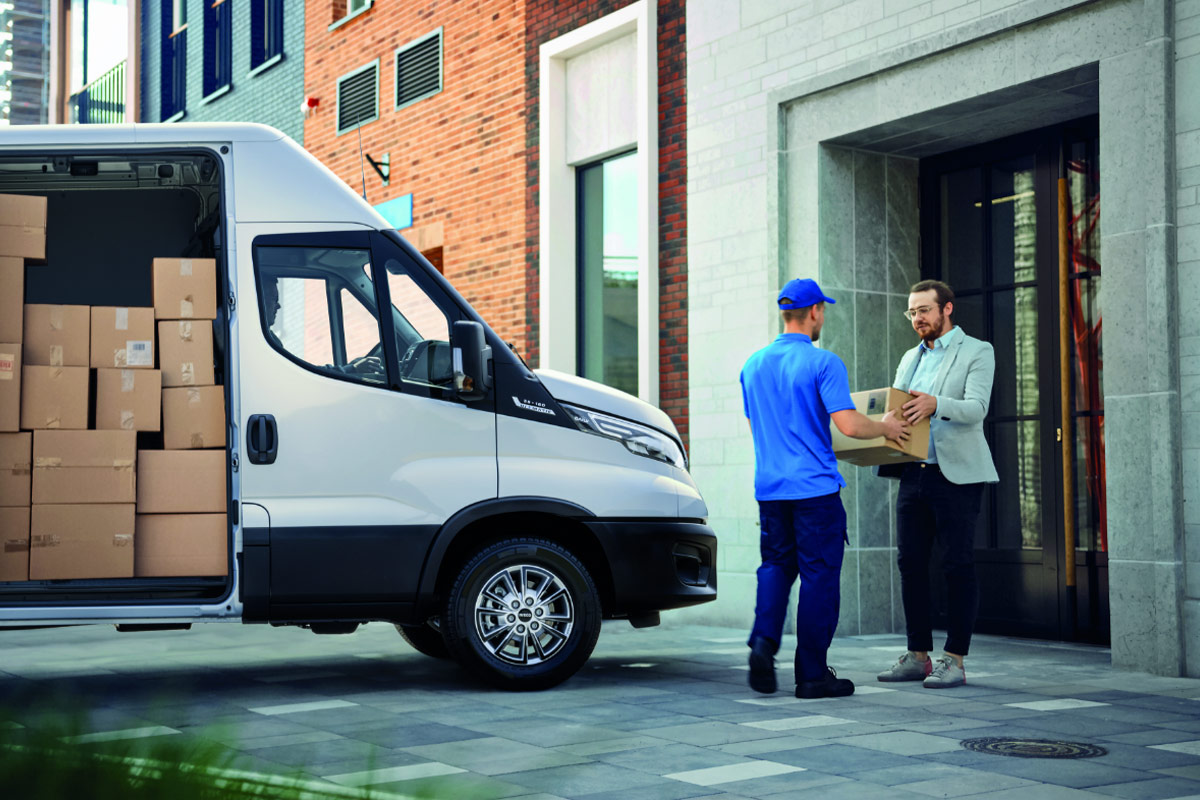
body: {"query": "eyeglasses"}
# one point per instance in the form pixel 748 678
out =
pixel 919 311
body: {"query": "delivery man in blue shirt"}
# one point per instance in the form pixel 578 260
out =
pixel 791 390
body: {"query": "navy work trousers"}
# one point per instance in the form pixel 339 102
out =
pixel 930 508
pixel 804 538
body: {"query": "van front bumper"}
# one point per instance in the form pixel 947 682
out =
pixel 657 564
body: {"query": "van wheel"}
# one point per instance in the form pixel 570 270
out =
pixel 425 639
pixel 523 614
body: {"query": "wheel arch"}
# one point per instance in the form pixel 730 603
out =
pixel 477 526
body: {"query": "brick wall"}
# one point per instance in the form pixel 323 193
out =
pixel 272 96
pixel 461 153
pixel 546 20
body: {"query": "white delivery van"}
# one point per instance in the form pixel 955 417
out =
pixel 389 458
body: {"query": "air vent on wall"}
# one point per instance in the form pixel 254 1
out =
pixel 358 97
pixel 419 69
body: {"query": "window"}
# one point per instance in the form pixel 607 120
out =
pixel 218 43
pixel 608 273
pixel 173 76
pixel 419 69
pixel 266 31
pixel 422 332
pixel 358 98
pixel 317 306
pixel 355 6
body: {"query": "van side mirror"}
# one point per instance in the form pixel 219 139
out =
pixel 471 360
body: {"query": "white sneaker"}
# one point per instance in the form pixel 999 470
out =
pixel 946 673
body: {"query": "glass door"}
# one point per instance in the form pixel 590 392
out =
pixel 991 214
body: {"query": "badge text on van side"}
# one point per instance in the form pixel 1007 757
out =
pixel 539 408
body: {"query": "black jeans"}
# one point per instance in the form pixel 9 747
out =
pixel 931 508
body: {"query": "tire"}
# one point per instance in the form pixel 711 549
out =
pixel 425 639
pixel 547 639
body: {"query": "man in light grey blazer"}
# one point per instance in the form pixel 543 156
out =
pixel 950 376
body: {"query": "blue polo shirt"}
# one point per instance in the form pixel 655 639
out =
pixel 789 389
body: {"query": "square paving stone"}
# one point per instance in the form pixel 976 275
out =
pixel 903 743
pixel 339 750
pixel 670 758
pixel 460 785
pixel 544 731
pixel 841 759
pixel 1153 789
pixel 410 735
pixel 706 734
pixel 494 756
pixel 582 779
pixel 979 782
pixel 913 773
pixel 1079 773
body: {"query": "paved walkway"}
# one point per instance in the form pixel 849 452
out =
pixel 656 714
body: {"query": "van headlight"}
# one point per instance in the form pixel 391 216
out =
pixel 638 439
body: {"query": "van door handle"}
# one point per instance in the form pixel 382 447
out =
pixel 262 439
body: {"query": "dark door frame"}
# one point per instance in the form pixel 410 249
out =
pixel 1018 569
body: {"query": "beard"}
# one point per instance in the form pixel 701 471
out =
pixel 933 329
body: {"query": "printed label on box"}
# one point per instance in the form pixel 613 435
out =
pixel 122 319
pixel 8 366
pixel 139 353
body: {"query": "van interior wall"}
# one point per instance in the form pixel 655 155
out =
pixel 100 244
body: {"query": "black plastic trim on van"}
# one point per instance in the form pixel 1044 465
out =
pixel 657 564
pixel 487 508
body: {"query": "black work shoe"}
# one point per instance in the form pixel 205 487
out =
pixel 829 686
pixel 762 665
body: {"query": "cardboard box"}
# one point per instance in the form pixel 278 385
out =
pixel 81 541
pixel 10 387
pixel 12 299
pixel 22 226
pixel 185 288
pixel 128 400
pixel 122 337
pixel 175 545
pixel 57 336
pixel 869 452
pixel 84 467
pixel 16 464
pixel 181 481
pixel 193 417
pixel 14 544
pixel 54 397
pixel 185 353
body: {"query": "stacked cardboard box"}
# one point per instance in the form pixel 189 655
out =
pixel 22 236
pixel 54 372
pixel 12 316
pixel 82 523
pixel 22 226
pixel 15 464
pixel 70 502
pixel 185 299
pixel 181 504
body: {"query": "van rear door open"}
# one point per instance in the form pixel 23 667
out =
pixel 355 443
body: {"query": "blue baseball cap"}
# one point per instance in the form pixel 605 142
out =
pixel 801 293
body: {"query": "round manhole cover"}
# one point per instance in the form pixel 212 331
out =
pixel 1033 748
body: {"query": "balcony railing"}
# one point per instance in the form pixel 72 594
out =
pixel 102 100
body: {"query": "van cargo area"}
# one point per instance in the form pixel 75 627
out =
pixel 107 218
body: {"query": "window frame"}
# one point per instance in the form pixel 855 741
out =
pixel 441 52
pixel 173 61
pixel 380 248
pixel 266 33
pixel 337 115
pixel 217 62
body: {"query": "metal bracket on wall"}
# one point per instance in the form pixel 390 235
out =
pixel 383 166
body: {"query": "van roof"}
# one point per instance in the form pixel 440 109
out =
pixel 137 133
